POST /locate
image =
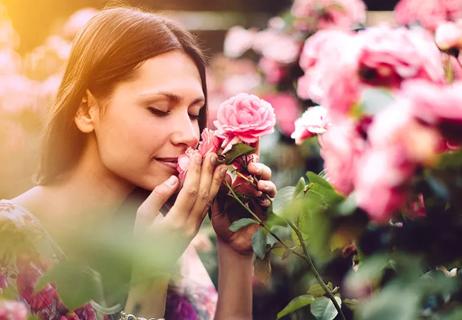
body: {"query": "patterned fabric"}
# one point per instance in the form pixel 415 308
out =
pixel 27 251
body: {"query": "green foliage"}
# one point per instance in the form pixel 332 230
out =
pixel 76 284
pixel 239 149
pixel 259 243
pixel 295 304
pixel 323 308
pixel 241 223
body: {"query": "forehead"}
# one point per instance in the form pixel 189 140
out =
pixel 171 71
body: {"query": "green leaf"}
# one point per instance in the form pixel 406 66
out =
pixel 241 223
pixel 300 186
pixel 282 199
pixel 295 304
pixel 239 149
pixel 76 285
pixel 316 289
pixel 370 270
pixel 316 179
pixel 347 206
pixel 323 309
pixel 259 243
pixel 106 310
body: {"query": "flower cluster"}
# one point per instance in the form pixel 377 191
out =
pixel 389 110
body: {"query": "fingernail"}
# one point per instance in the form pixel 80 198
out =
pixel 171 181
pixel 223 171
pixel 258 170
pixel 198 158
pixel 213 159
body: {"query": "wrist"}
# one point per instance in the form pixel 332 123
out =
pixel 226 250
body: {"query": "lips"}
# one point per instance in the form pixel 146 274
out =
pixel 169 162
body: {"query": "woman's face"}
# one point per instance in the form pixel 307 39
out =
pixel 151 119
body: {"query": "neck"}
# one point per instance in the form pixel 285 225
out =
pixel 88 192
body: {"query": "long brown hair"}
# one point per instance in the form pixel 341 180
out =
pixel 107 51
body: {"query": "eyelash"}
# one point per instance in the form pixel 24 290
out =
pixel 160 113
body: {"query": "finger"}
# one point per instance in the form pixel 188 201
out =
pixel 267 187
pixel 203 200
pixel 150 208
pixel 188 194
pixel 265 202
pixel 260 170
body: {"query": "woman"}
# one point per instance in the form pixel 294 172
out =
pixel 133 98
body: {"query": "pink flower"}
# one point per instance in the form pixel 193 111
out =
pixel 324 14
pixel 286 110
pixel 397 125
pixel 12 310
pixel 449 36
pixel 183 163
pixel 238 40
pixel 389 56
pixel 274 71
pixel 277 46
pixel 438 106
pixel 313 121
pixel 429 13
pixel 244 118
pixel 341 147
pixel 209 142
pixel 380 183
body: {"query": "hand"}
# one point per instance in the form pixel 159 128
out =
pixel 185 217
pixel 224 211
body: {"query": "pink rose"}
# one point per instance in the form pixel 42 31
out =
pixel 313 121
pixel 389 56
pixel 286 110
pixel 397 125
pixel 380 183
pixel 277 46
pixel 438 106
pixel 209 142
pixel 274 71
pixel 341 146
pixel 183 163
pixel 244 118
pixel 324 14
pixel 12 310
pixel 238 40
pixel 449 36
pixel 429 13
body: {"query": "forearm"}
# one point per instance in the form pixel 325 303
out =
pixel 147 300
pixel 235 274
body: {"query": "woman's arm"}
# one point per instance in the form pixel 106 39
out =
pixel 147 300
pixel 235 273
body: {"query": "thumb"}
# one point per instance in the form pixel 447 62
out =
pixel 150 208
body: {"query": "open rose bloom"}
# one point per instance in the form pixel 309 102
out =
pixel 241 119
pixel 373 147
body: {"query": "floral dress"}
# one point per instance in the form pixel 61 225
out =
pixel 27 251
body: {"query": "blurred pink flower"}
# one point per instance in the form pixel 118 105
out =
pixel 429 13
pixel 314 121
pixel 274 71
pixel 320 73
pixel 389 56
pixel 286 110
pixel 448 36
pixel 237 41
pixel 77 21
pixel 438 106
pixel 12 310
pixel 277 46
pixel 396 125
pixel 379 184
pixel 244 118
pixel 341 146
pixel 324 14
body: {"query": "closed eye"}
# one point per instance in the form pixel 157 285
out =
pixel 158 112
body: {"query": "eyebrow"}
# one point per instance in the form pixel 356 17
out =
pixel 172 97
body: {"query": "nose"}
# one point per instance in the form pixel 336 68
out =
pixel 185 132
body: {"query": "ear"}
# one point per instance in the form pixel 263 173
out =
pixel 87 114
